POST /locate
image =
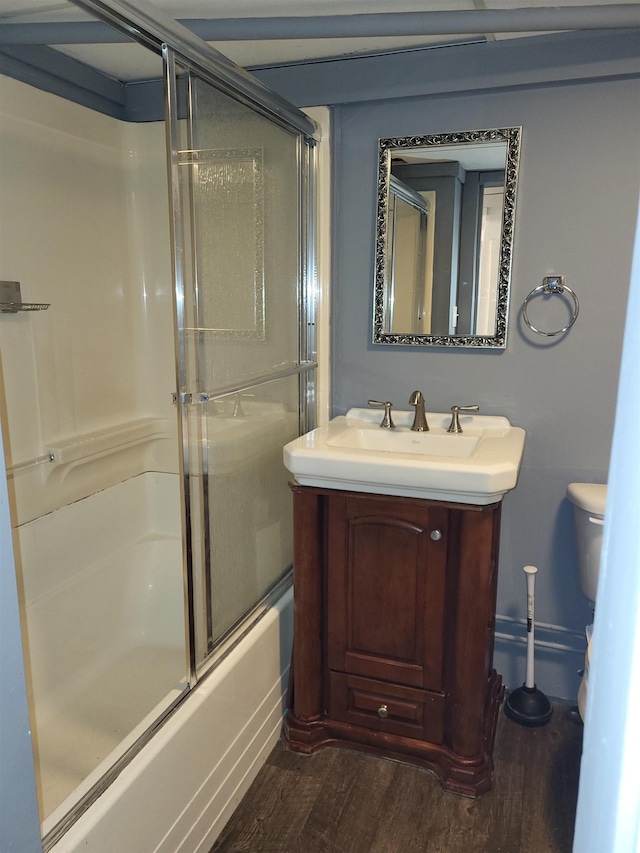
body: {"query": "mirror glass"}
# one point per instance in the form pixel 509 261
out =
pixel 444 233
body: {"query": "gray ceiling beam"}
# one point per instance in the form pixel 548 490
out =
pixel 419 23
pixel 51 71
pixel 73 32
pixel 534 19
pixel 545 60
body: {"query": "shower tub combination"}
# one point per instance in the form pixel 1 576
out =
pixel 99 539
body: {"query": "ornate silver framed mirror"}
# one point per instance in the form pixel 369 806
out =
pixel 444 236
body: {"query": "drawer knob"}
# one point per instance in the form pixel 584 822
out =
pixel 383 712
pixel 436 535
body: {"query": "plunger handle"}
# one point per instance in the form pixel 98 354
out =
pixel 530 572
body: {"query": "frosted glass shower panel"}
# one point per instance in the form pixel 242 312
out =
pixel 249 500
pixel 245 215
pixel 229 194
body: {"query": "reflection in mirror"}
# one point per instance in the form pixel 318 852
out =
pixel 445 216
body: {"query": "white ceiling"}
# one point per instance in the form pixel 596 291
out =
pixel 271 51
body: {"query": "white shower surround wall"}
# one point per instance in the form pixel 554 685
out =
pixel 93 191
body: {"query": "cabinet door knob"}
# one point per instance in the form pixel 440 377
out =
pixel 436 535
pixel 383 711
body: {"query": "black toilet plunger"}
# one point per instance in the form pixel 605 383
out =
pixel 527 705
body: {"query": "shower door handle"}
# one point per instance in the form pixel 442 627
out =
pixel 185 398
pixel 189 399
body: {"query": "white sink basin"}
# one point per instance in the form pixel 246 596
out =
pixel 403 440
pixel 352 452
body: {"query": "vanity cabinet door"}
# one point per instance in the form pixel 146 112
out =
pixel 386 565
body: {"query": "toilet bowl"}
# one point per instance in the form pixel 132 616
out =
pixel 589 500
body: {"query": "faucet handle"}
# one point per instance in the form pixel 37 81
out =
pixel 454 426
pixel 387 420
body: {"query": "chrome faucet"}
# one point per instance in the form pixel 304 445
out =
pixel 419 421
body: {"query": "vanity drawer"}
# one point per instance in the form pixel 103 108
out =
pixel 386 707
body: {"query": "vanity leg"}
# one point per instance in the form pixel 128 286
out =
pixel 308 605
pixel 473 704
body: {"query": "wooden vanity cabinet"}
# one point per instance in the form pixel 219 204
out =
pixel 394 612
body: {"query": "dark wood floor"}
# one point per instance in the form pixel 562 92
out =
pixel 339 801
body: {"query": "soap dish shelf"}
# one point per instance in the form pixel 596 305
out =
pixel 11 301
pixel 14 307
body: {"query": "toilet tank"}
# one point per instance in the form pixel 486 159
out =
pixel 588 501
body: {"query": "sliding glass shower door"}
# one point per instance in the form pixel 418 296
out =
pixel 241 241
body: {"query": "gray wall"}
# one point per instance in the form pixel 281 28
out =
pixel 576 212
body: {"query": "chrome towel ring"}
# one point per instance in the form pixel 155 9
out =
pixel 552 284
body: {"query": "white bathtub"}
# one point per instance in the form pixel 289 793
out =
pixel 106 647
pixel 180 790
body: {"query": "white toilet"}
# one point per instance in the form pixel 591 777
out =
pixel 588 501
